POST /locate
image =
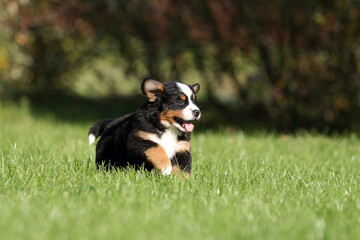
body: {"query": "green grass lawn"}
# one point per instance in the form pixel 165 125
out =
pixel 258 186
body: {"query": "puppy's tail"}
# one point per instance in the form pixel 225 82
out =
pixel 97 129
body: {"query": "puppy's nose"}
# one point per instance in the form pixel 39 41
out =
pixel 196 113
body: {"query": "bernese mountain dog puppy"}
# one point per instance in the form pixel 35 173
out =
pixel 155 137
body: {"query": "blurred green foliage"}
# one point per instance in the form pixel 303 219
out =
pixel 293 63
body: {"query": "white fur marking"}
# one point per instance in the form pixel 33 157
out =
pixel 168 140
pixel 179 127
pixel 92 139
pixel 185 89
pixel 165 123
pixel 188 111
pixel 167 171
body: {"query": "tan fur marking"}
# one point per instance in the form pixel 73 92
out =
pixel 151 97
pixel 186 175
pixel 182 96
pixel 157 156
pixel 193 96
pixel 183 146
pixel 161 87
pixel 176 170
pixel 144 135
pixel 168 115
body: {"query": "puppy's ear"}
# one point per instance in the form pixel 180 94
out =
pixel 196 87
pixel 152 89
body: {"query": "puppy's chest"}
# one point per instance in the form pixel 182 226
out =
pixel 168 140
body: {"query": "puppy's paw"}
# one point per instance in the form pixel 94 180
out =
pixel 167 171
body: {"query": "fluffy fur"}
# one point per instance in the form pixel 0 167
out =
pixel 155 137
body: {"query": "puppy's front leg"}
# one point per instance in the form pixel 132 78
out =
pixel 158 157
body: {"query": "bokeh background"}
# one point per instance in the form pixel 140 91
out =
pixel 278 65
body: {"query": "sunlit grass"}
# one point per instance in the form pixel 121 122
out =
pixel 256 186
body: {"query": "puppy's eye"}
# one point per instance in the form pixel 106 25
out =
pixel 181 102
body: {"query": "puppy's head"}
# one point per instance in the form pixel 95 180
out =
pixel 177 102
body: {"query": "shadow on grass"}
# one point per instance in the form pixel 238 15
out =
pixel 75 109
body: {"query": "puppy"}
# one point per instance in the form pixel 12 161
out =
pixel 155 137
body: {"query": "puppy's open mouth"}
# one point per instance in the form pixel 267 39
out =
pixel 187 125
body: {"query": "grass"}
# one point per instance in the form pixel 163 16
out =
pixel 258 186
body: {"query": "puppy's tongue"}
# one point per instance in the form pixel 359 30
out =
pixel 188 126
